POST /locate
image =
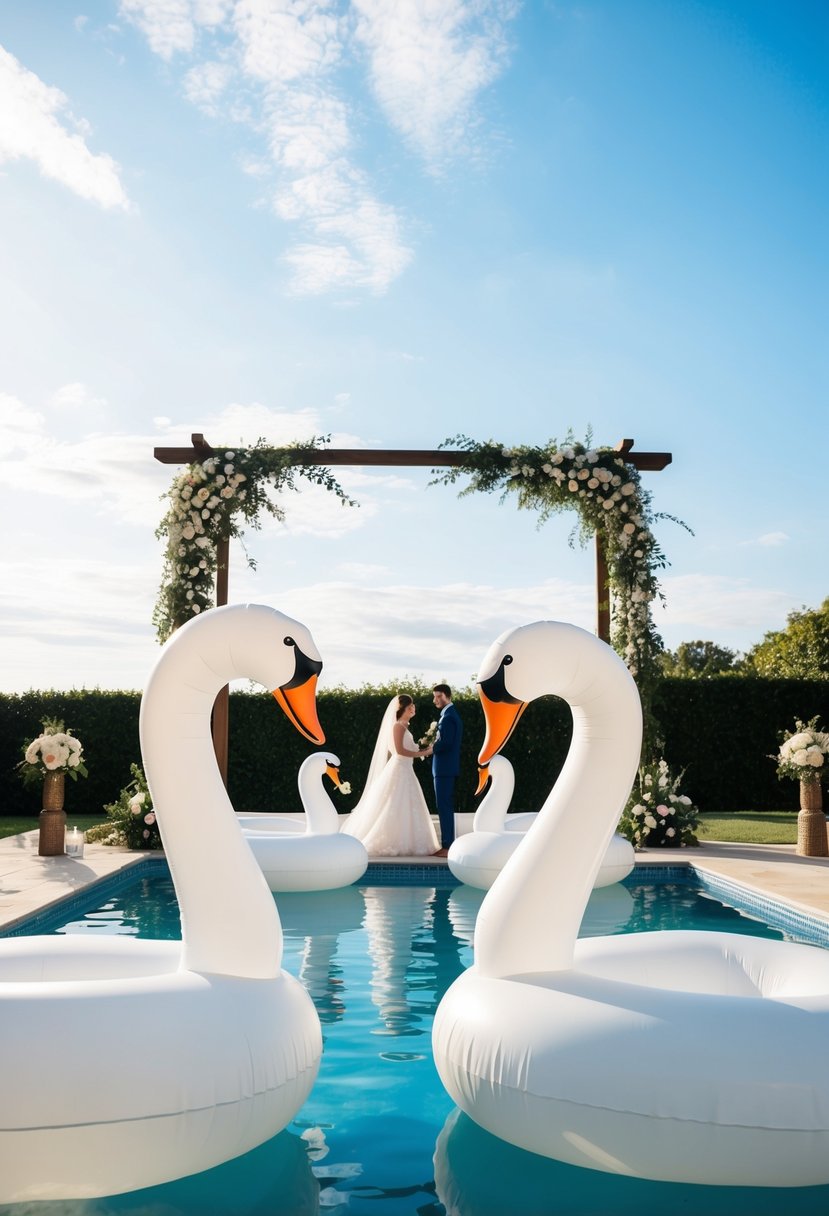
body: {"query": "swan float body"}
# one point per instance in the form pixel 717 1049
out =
pixel 479 856
pixel 126 1063
pixel 680 1056
pixel 318 859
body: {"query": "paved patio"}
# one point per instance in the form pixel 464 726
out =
pixel 29 883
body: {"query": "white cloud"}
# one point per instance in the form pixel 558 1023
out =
pixel 772 539
pixel 368 631
pixel 704 605
pixel 429 61
pixel 34 127
pixel 167 25
pixel 286 40
pixel 205 83
pixel 76 396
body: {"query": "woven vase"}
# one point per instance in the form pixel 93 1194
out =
pixel 52 822
pixel 53 790
pixel 811 822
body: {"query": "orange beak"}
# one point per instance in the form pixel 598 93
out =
pixel 501 719
pixel 483 777
pixel 300 706
pixel 333 773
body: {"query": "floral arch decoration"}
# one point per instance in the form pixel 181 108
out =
pixel 210 501
pixel 212 498
pixel 607 493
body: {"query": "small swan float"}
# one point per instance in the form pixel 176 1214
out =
pixel 479 856
pixel 127 1063
pixel 318 859
pixel 676 1055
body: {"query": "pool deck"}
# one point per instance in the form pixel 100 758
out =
pixel 29 883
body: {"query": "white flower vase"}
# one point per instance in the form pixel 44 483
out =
pixel 52 822
pixel 811 822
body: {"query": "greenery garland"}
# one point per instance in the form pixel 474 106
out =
pixel 211 500
pixel 606 491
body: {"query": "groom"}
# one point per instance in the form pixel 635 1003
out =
pixel 446 763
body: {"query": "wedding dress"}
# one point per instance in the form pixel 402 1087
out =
pixel 392 818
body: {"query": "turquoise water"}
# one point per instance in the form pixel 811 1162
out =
pixel 379 1136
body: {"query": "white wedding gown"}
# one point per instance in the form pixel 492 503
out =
pixel 392 818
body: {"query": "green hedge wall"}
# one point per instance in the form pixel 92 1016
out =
pixel 720 731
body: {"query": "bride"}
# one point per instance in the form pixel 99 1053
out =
pixel 392 818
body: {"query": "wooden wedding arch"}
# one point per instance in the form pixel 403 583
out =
pixel 398 458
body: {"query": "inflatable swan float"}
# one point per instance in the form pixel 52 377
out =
pixel 318 859
pixel 681 1056
pixel 479 856
pixel 126 1063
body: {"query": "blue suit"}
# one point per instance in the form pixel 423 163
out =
pixel 446 764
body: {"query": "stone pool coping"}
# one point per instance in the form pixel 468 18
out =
pixel 29 883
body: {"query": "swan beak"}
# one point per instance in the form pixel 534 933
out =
pixel 483 777
pixel 300 707
pixel 333 773
pixel 501 719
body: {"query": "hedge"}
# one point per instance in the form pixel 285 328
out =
pixel 720 731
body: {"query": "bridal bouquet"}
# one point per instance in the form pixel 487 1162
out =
pixel 53 751
pixel 803 753
pixel 429 738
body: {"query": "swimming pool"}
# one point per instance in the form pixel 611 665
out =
pixel 378 1134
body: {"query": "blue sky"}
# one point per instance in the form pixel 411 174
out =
pixel 394 221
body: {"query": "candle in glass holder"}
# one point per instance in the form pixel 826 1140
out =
pixel 74 843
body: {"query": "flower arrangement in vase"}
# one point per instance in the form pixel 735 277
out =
pixel 47 759
pixel 802 757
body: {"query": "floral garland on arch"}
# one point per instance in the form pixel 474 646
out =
pixel 211 500
pixel 607 493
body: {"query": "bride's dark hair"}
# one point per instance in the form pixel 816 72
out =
pixel 403 702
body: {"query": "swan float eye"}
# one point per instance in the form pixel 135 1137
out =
pixel 289 641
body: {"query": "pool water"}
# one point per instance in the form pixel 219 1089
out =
pixel 378 1135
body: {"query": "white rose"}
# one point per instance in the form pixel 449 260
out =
pixel 815 757
pixel 74 760
pixel 32 756
pixel 670 832
pixel 800 757
pixel 684 799
pixel 650 821
pixel 799 741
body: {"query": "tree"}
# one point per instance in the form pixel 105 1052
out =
pixel 799 652
pixel 697 659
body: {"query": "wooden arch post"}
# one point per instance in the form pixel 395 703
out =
pixel 398 458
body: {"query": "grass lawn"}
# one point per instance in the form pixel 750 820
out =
pixel 10 825
pixel 750 827
pixel 740 827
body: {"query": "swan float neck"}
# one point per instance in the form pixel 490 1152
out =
pixel 321 818
pixel 229 928
pixel 548 880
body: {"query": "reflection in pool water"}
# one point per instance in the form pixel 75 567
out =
pixel 379 1135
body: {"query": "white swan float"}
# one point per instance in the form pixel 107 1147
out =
pixel 126 1063
pixel 479 856
pixel 681 1056
pixel 318 858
